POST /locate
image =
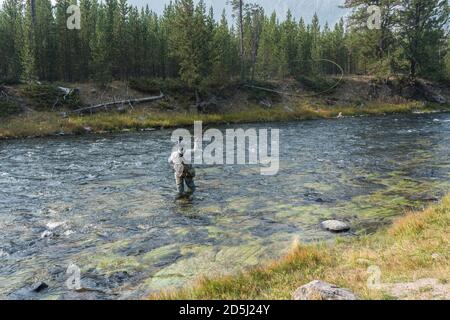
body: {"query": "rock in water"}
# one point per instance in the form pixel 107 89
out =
pixel 68 233
pixel 47 234
pixel 54 225
pixel 38 286
pixel 335 226
pixel 3 254
pixel 319 290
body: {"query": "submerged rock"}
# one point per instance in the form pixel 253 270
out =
pixel 319 290
pixel 118 278
pixel 335 226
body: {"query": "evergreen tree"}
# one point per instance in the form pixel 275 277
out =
pixel 202 39
pixel 183 44
pixel 238 12
pixel 170 64
pixel 339 50
pixel 222 51
pixel 316 46
pixel 121 39
pixel 304 48
pixel 377 45
pixel 89 14
pixel 267 65
pixel 422 35
pixel 45 40
pixel 28 48
pixel 11 24
pixel 100 44
pixel 254 19
pixel 117 41
pixel 289 43
pixel 67 62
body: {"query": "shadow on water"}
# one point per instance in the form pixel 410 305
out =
pixel 108 203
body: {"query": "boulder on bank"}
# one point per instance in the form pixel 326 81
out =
pixel 319 290
pixel 335 226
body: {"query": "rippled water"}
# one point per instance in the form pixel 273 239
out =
pixel 121 224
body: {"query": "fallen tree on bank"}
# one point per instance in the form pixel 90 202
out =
pixel 122 103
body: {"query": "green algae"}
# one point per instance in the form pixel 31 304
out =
pixel 159 254
pixel 239 204
pixel 304 213
pixel 320 187
pixel 206 260
pixel 110 263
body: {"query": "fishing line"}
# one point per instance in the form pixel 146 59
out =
pixel 305 95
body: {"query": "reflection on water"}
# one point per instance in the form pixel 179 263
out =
pixel 110 202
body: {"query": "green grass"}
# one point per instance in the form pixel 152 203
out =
pixel 47 123
pixel 404 252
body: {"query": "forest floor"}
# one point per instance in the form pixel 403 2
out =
pixel 409 260
pixel 42 111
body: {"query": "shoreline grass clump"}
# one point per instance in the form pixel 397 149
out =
pixel 414 247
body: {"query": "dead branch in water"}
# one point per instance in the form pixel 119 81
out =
pixel 129 102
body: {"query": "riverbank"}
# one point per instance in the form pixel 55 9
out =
pixel 48 109
pixel 40 124
pixel 410 259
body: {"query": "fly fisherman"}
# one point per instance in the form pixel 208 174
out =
pixel 184 172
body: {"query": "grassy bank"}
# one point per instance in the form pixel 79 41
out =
pixel 415 247
pixel 38 124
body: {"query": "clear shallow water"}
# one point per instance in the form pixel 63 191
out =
pixel 129 235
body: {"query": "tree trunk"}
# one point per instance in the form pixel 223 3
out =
pixel 412 71
pixel 33 11
pixel 123 102
pixel 241 30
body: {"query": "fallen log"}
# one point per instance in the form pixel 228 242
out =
pixel 108 105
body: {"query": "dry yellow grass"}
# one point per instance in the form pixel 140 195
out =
pixel 416 246
pixel 48 123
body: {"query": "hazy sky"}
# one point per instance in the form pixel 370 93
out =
pixel 327 10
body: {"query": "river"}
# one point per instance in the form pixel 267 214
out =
pixel 109 202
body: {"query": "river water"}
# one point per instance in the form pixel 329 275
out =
pixel 109 202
